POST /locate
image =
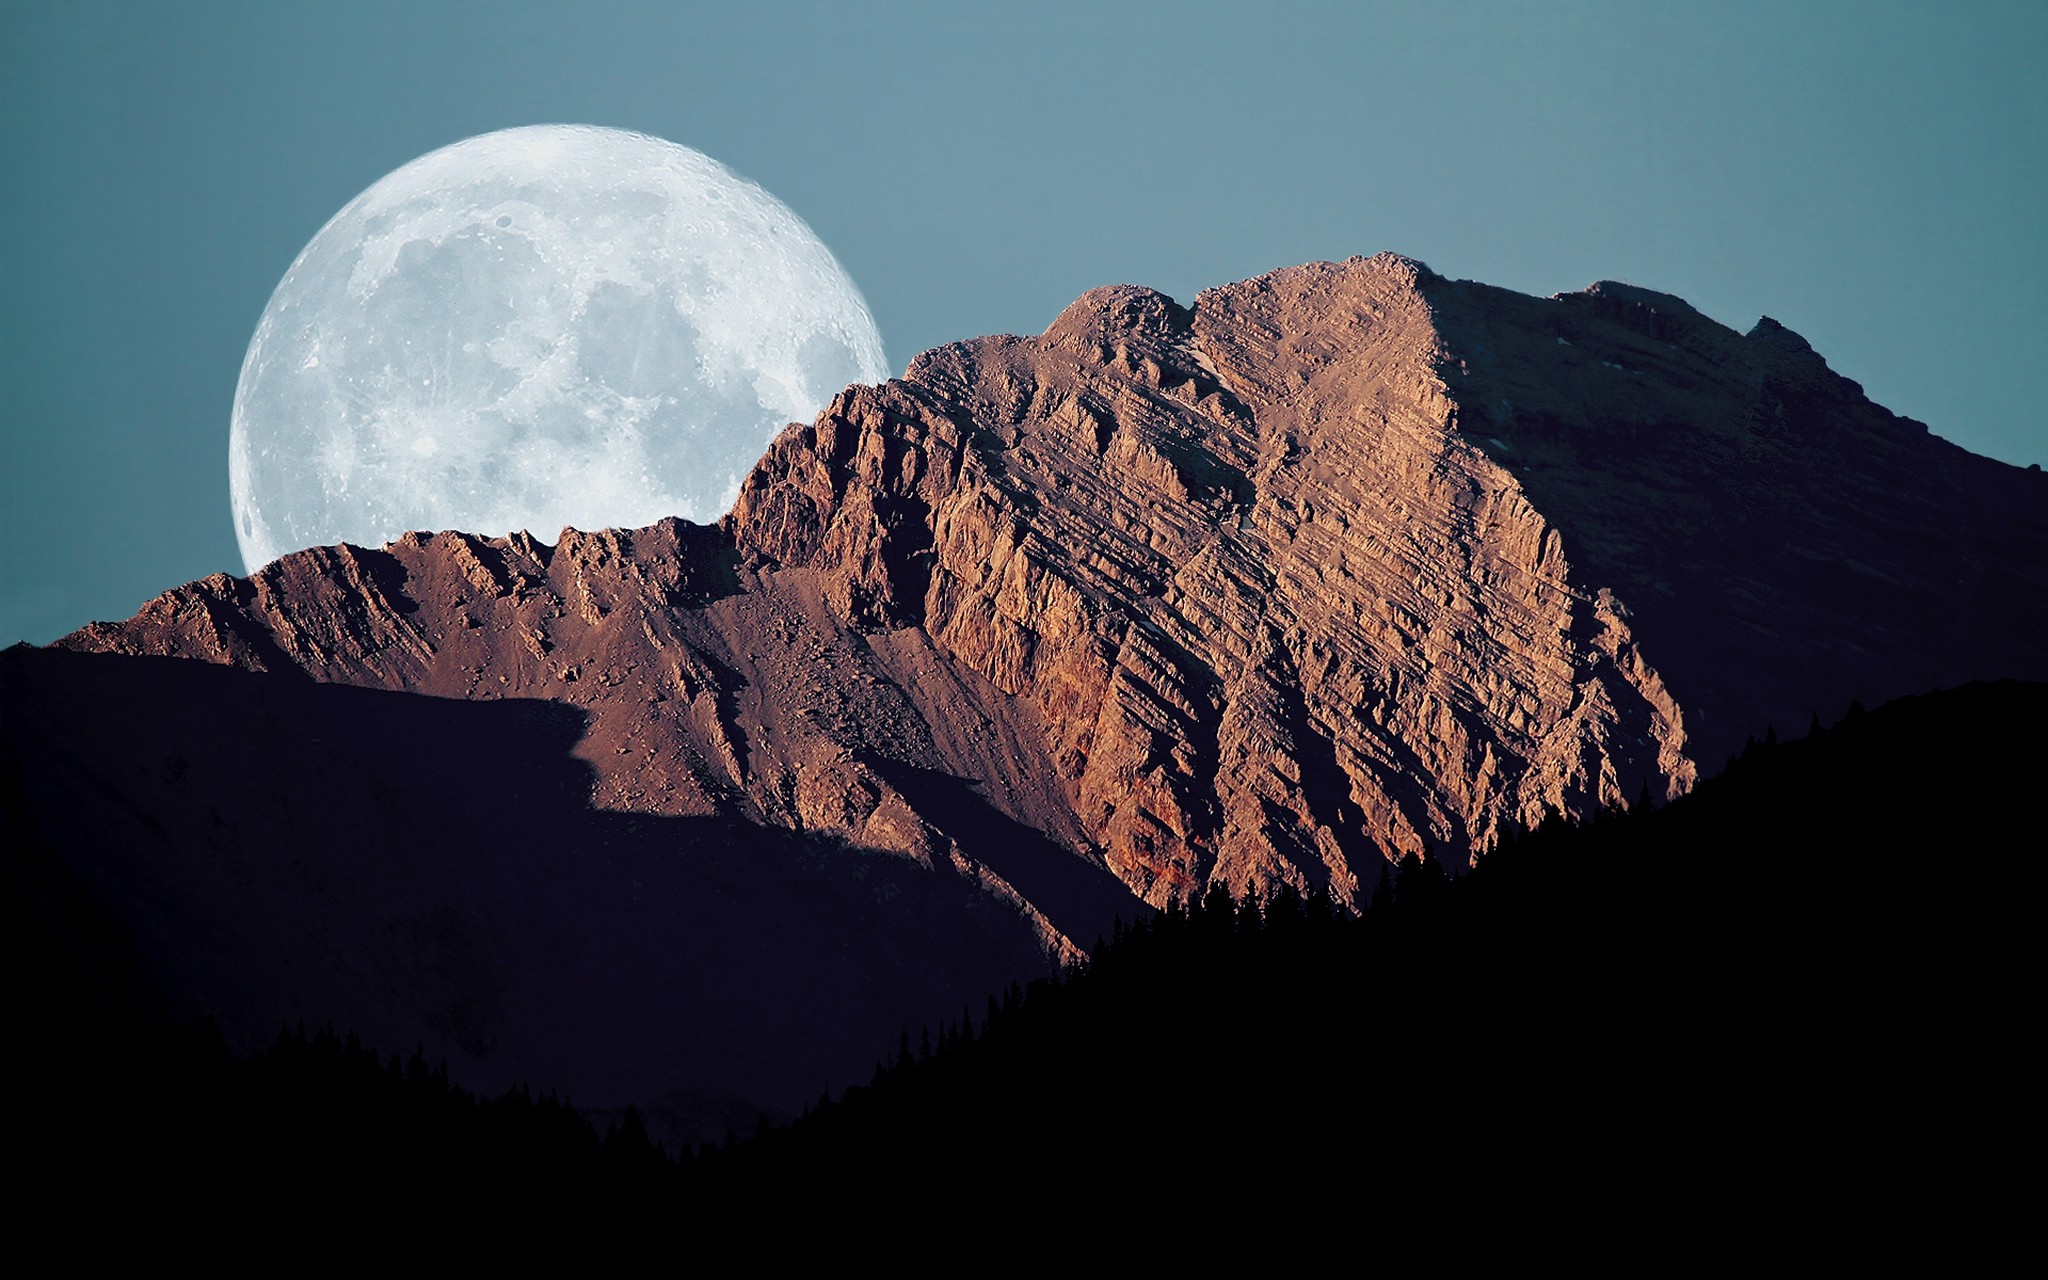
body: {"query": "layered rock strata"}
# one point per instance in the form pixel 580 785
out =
pixel 1336 564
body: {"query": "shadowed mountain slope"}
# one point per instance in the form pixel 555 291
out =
pixel 267 851
pixel 1786 545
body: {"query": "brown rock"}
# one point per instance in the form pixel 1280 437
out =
pixel 1338 563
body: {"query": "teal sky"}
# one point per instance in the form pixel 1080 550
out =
pixel 1874 176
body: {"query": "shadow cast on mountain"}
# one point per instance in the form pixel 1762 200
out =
pixel 1081 898
pixel 203 842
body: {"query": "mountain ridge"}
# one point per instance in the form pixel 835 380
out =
pixel 1338 564
pixel 1093 528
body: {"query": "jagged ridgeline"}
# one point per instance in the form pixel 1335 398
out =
pixel 1321 568
pixel 1761 1011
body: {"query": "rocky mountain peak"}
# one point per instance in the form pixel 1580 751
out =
pixel 1770 334
pixel 1335 564
pixel 1119 313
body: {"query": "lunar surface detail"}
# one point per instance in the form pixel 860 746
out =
pixel 534 329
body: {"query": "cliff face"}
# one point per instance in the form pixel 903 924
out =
pixel 1335 564
pixel 1276 617
pixel 1783 544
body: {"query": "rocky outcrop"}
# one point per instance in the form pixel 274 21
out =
pixel 709 690
pixel 1278 619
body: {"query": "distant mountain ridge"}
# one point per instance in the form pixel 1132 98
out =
pixel 1340 563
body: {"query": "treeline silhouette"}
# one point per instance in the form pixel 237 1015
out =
pixel 162 1112
pixel 1770 1006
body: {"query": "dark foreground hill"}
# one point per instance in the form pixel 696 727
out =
pixel 1598 1045
pixel 1796 1003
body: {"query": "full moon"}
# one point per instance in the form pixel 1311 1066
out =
pixel 536 328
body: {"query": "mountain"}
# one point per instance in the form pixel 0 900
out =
pixel 1341 563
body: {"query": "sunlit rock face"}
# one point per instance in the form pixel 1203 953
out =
pixel 1339 563
pixel 531 329
pixel 1280 620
